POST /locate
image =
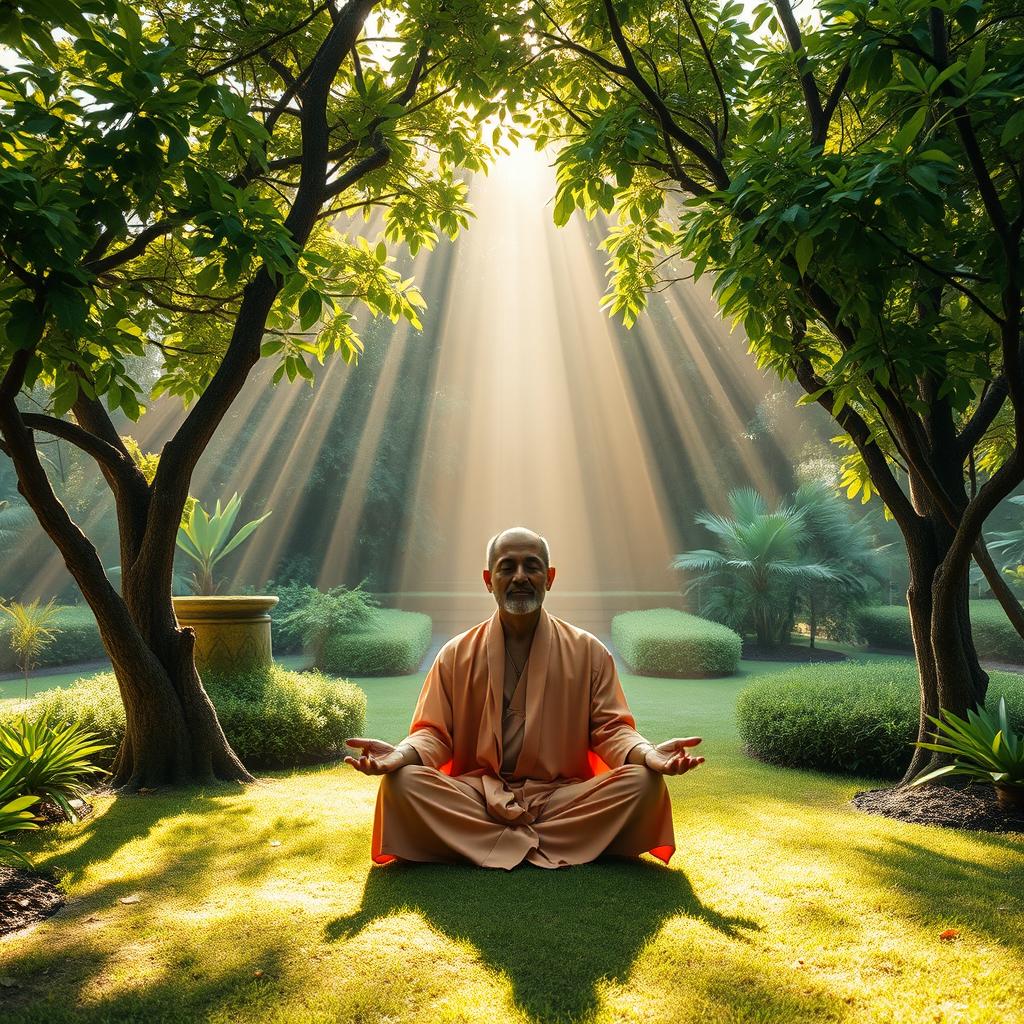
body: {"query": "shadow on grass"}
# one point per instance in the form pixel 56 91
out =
pixel 554 934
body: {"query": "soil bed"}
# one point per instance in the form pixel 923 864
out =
pixel 790 652
pixel 26 897
pixel 951 806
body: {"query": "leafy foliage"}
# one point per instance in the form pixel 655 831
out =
pixel 319 615
pixel 855 717
pixel 76 639
pixel 207 538
pixel 389 642
pixel 888 627
pixel 667 642
pixel 767 559
pixel 272 718
pixel 983 746
pixel 31 631
pixel 15 815
pixel 56 759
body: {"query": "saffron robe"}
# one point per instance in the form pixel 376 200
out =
pixel 565 797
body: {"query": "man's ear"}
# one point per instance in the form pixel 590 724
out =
pixel 551 576
pixel 487 578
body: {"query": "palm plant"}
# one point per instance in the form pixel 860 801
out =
pixel 983 746
pixel 31 632
pixel 749 582
pixel 846 546
pixel 206 538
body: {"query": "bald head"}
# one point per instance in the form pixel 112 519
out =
pixel 516 536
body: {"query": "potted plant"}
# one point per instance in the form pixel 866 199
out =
pixel 984 747
pixel 232 631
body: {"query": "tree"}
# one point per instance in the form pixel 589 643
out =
pixel 853 184
pixel 172 176
pixel 752 584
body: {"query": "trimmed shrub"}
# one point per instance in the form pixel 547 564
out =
pixel 272 719
pixel 857 717
pixel 888 626
pixel 389 643
pixel 666 642
pixel 78 640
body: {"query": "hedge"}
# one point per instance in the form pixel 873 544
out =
pixel 666 642
pixel 855 717
pixel 78 640
pixel 888 626
pixel 272 719
pixel 392 643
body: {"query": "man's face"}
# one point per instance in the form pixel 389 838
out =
pixel 518 578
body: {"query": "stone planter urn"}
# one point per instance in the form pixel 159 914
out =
pixel 232 633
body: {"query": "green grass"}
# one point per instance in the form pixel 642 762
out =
pixel 782 904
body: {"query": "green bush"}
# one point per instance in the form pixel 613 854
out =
pixel 888 626
pixel 78 640
pixel 855 717
pixel 666 642
pixel 389 643
pixel 317 616
pixel 272 719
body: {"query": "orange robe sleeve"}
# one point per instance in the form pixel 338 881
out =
pixel 431 731
pixel 612 728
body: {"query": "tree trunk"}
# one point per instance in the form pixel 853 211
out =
pixel 949 673
pixel 813 624
pixel 172 733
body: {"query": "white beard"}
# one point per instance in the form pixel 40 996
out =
pixel 521 605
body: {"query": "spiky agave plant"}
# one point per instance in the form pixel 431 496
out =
pixel 206 538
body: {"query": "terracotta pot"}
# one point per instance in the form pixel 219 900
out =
pixel 232 633
pixel 1010 798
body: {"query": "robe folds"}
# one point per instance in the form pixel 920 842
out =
pixel 566 797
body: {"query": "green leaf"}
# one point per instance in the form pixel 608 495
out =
pixel 804 252
pixel 310 307
pixel 904 138
pixel 1014 126
pixel 25 324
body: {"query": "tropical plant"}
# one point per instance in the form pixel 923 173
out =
pixel 983 746
pixel 31 632
pixel 206 538
pixel 849 176
pixel 15 815
pixel 55 760
pixel 1009 543
pixel 833 538
pixel 748 584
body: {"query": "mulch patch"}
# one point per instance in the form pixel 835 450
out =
pixel 790 652
pixel 949 806
pixel 26 897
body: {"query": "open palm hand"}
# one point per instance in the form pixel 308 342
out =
pixel 672 758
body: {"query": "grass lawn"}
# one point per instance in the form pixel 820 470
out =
pixel 781 904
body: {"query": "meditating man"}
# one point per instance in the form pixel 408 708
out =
pixel 522 746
